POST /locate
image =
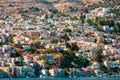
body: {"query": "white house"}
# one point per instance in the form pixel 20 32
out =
pixel 27 60
pixel 107 63
pixel 44 72
pixel 6 48
pixel 114 64
pixel 26 47
pixel 61 72
pixel 54 72
pixel 95 66
pixel 106 9
pixel 101 14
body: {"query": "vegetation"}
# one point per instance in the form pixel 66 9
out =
pixel 51 15
pixel 34 9
pixel 86 10
pixel 98 56
pixel 117 28
pixel 49 50
pixel 100 22
pixel 33 21
pixel 67 30
pixel 15 54
pixel 68 53
pixel 33 50
pixel 22 11
pixel 70 60
pixel 62 14
pixel 74 47
pixel 73 9
pixel 36 68
pixel 54 11
pixel 116 10
pixel 65 37
pixel 82 17
pixel 74 18
pixel 106 3
pixel 82 62
pixel 46 16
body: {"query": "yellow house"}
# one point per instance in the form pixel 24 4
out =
pixel 5 69
pixel 70 27
pixel 118 61
pixel 90 54
pixel 41 62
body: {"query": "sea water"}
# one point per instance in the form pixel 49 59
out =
pixel 89 78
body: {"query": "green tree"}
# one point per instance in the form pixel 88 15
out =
pixel 46 16
pixel 34 9
pixel 98 56
pixel 65 37
pixel 86 10
pixel 15 54
pixel 101 22
pixel 74 47
pixel 82 62
pixel 54 11
pixel 33 21
pixel 68 45
pixel 32 50
pixel 95 21
pixel 70 53
pixel 49 50
pixel 51 15
pixel 74 18
pixel 111 23
pixel 95 40
pixel 67 30
pixel 89 22
pixel 82 17
pixel 116 28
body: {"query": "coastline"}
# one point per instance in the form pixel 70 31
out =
pixel 66 78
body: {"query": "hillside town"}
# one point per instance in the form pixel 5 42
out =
pixel 45 45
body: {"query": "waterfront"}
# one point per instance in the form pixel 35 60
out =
pixel 88 78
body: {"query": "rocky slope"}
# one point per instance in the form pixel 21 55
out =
pixel 69 7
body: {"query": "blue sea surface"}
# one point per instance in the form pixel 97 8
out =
pixel 89 78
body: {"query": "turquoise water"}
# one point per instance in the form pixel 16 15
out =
pixel 89 78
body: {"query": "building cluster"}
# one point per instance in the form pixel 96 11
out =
pixel 24 44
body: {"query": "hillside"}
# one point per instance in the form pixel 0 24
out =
pixel 113 4
pixel 65 6
pixel 68 7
